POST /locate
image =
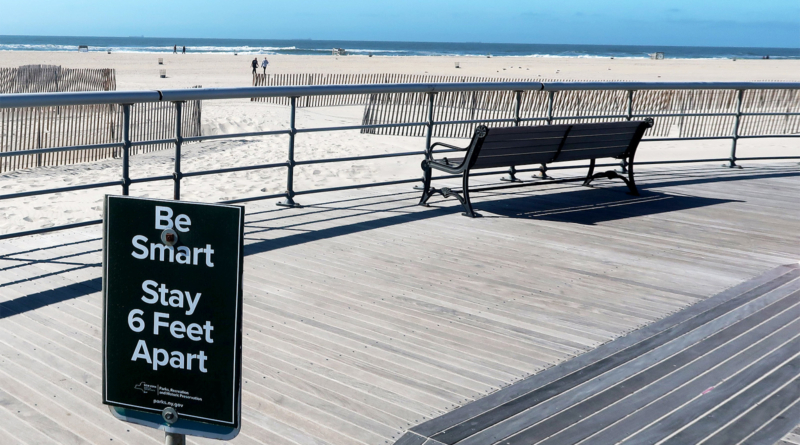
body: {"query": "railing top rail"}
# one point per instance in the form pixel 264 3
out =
pixel 132 97
pixel 20 100
pixel 636 86
pixel 322 90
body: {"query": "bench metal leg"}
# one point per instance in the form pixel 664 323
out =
pixel 612 174
pixel 446 192
pixel 465 201
pixel 542 172
pixel 630 182
pixel 587 182
pixel 623 166
pixel 427 191
pixel 512 175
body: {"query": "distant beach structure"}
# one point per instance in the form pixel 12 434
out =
pixel 656 56
pixel 83 49
pixel 339 52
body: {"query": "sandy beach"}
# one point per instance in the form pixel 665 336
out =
pixel 141 70
pixel 135 71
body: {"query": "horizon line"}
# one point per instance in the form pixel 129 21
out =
pixel 404 41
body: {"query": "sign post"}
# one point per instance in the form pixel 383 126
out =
pixel 172 322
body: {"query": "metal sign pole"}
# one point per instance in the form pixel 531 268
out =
pixel 174 439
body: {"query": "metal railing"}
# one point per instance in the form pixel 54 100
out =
pixel 177 97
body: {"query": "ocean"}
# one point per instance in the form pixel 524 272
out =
pixel 324 47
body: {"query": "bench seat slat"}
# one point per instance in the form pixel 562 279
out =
pixel 493 141
pixel 593 153
pixel 578 142
pixel 531 151
pixel 584 145
pixel 532 148
pixel 563 127
pixel 506 161
pixel 522 157
pixel 525 137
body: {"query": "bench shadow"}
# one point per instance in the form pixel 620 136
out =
pixel 592 206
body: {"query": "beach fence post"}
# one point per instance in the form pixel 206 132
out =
pixel 623 164
pixel 177 175
pixel 512 170
pixel 732 161
pixel 550 97
pixel 126 147
pixel 289 201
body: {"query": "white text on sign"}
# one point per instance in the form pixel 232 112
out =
pixel 160 252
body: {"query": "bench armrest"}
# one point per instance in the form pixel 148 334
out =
pixel 448 146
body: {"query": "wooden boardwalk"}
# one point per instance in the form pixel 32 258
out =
pixel 366 315
pixel 723 371
pixel 792 438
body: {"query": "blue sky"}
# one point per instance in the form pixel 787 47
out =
pixel 756 23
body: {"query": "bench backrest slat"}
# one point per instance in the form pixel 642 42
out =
pixel 548 143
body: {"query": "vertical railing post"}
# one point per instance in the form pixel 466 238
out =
pixel 629 114
pixel 289 201
pixel 512 170
pixel 543 167
pixel 426 172
pixel 177 175
pixel 126 148
pixel 517 106
pixel 732 161
pixel 429 127
pixel 623 163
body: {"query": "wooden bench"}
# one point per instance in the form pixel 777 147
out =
pixel 544 144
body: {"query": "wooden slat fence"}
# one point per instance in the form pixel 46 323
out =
pixel 48 127
pixel 762 101
pixel 331 79
pixel 408 108
pixel 456 106
pixel 54 78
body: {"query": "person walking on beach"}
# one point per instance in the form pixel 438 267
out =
pixel 264 65
pixel 175 49
pixel 254 64
pixel 184 50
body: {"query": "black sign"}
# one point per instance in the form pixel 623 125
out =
pixel 172 284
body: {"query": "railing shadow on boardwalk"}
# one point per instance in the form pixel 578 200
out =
pixel 571 204
pixel 398 215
